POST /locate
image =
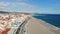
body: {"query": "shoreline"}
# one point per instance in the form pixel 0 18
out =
pixel 54 27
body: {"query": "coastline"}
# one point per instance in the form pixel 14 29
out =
pixel 35 26
pixel 38 26
pixel 54 27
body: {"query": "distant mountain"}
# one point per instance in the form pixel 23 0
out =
pixel 3 12
pixel 6 12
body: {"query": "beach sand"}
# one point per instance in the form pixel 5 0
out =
pixel 36 26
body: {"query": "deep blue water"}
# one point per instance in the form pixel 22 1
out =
pixel 53 19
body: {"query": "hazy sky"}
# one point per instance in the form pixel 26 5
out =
pixel 33 6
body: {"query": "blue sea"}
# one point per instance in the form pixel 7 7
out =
pixel 53 19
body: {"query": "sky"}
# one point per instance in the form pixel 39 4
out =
pixel 31 6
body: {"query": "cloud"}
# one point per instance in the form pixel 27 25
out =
pixel 16 6
pixel 26 6
pixel 4 4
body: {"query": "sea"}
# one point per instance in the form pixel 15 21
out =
pixel 53 19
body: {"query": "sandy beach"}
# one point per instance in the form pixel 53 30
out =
pixel 36 26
